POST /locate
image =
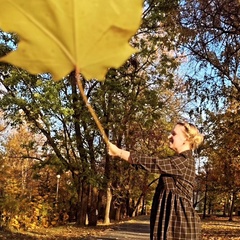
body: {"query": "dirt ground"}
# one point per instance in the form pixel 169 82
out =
pixel 135 229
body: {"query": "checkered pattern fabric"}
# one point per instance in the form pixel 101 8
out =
pixel 172 214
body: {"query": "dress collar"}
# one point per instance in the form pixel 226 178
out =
pixel 187 153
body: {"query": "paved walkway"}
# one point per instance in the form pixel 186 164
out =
pixel 136 229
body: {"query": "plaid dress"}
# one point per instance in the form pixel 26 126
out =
pixel 172 214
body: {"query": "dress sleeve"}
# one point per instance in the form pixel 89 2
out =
pixel 171 165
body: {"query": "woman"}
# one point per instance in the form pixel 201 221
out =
pixel 172 214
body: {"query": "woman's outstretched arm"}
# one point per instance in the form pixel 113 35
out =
pixel 115 151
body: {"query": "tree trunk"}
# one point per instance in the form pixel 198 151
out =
pixel 232 207
pixel 92 210
pixel 205 195
pixel 142 196
pixel 82 204
pixel 143 211
pixel 108 191
pixel 118 213
pixel 108 205
pixel 205 204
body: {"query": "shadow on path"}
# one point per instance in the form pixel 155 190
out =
pixel 136 229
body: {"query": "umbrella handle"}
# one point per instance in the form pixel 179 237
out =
pixel 91 110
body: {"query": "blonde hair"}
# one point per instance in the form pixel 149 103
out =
pixel 194 137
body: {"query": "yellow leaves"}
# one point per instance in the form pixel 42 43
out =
pixel 64 35
pixel 220 228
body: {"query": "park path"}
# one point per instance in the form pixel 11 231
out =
pixel 136 229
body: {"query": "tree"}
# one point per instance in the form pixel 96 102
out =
pixel 148 71
pixel 144 86
pixel 212 43
pixel 16 170
pixel 225 156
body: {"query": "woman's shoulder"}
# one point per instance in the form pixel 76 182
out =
pixel 186 154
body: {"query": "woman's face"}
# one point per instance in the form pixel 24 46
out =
pixel 177 139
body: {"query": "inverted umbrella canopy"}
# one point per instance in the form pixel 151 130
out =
pixel 59 36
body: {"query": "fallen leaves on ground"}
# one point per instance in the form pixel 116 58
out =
pixel 221 228
pixel 212 229
pixel 56 233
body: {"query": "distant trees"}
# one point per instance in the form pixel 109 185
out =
pixel 212 33
pixel 222 151
pixel 212 44
pixel 29 195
